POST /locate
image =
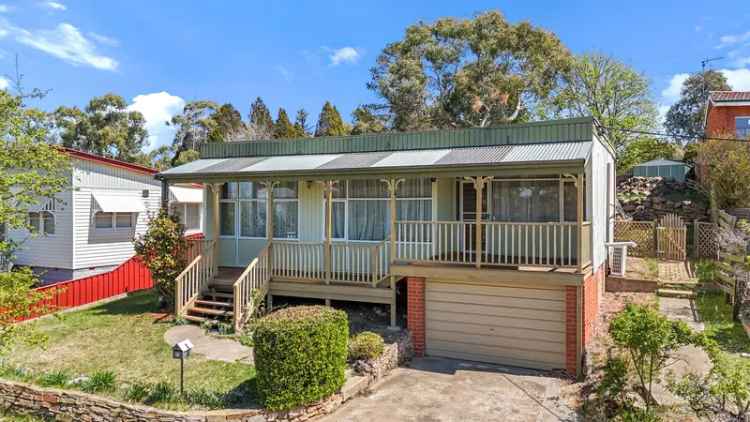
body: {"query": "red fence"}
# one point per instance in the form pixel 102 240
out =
pixel 129 276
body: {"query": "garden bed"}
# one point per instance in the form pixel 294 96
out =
pixel 716 314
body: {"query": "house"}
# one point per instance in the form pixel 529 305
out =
pixel 89 228
pixel 495 236
pixel 667 169
pixel 728 114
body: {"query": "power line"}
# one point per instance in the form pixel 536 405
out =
pixel 674 135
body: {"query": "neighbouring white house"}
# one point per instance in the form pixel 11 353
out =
pixel 91 227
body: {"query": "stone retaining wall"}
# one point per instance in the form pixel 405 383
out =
pixel 620 284
pixel 69 405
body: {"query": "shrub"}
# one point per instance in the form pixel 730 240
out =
pixel 137 392
pixel 54 379
pixel 300 355
pixel 705 270
pixel 366 345
pixel 102 381
pixel 161 392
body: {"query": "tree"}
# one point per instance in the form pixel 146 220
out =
pixel 610 91
pixel 33 172
pixel 227 125
pixel 195 126
pixel 261 122
pixel 283 128
pixel 163 249
pixel 366 122
pixel 300 124
pixel 644 149
pixel 461 73
pixel 330 122
pixel 727 171
pixel 105 127
pixel 685 117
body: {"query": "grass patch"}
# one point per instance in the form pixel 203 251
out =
pixel 717 317
pixel 652 268
pixel 122 343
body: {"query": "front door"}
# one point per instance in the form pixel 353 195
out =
pixel 469 211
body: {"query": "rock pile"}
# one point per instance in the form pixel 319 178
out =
pixel 650 198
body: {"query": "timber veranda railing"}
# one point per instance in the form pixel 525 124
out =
pixel 360 263
pixel 196 276
pixel 251 287
pixel 548 244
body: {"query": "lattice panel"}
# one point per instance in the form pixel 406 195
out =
pixel 706 240
pixel 640 232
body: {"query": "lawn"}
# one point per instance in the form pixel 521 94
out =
pixel 716 314
pixel 126 337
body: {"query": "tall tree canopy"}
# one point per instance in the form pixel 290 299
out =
pixel 194 127
pixel 330 122
pixel 365 121
pixel 261 122
pixel 228 125
pixel 300 123
pixel 105 127
pixel 685 117
pixel 283 128
pixel 614 93
pixel 461 73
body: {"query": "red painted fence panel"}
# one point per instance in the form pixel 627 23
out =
pixel 130 276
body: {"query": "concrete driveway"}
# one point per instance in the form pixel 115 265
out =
pixel 436 389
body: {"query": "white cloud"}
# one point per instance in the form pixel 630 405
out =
pixel 53 5
pixel 345 55
pixel 104 40
pixel 671 93
pixel 739 79
pixel 4 8
pixel 158 108
pixel 4 83
pixel 285 73
pixel 731 39
pixel 64 42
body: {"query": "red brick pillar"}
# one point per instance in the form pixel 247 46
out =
pixel 571 330
pixel 415 313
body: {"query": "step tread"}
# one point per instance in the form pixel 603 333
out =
pixel 675 292
pixel 218 294
pixel 194 318
pixel 213 303
pixel 208 311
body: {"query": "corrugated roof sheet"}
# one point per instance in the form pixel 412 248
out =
pixel 444 157
pixel 565 130
pixel 729 96
pixel 660 162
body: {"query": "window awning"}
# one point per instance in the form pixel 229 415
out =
pixel 186 195
pixel 379 162
pixel 118 203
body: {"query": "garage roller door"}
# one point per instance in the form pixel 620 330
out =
pixel 498 324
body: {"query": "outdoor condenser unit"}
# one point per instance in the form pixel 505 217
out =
pixel 618 257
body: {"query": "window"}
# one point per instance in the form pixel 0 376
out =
pixel 189 214
pixel 42 222
pixel 361 208
pixel 251 200
pixel 533 200
pixel 112 220
pixel 103 220
pixel 742 125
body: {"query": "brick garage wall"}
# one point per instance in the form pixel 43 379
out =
pixel 590 293
pixel 721 120
pixel 415 313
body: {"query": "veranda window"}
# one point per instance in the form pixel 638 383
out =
pixel 251 199
pixel 533 201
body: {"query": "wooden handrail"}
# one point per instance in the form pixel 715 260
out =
pixel 251 287
pixel 196 276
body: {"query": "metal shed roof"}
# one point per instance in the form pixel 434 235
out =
pixel 376 162
pixel 661 162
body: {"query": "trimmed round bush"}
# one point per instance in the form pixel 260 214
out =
pixel 365 346
pixel 300 355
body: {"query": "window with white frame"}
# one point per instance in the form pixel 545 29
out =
pixel 361 207
pixel 533 201
pixel 42 222
pixel 114 220
pixel 742 127
pixel 243 210
pixel 189 214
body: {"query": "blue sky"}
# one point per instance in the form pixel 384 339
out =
pixel 159 54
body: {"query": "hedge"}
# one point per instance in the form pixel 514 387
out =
pixel 300 355
pixel 365 346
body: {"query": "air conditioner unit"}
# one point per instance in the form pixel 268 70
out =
pixel 618 257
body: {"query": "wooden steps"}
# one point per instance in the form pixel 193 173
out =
pixel 216 302
pixel 676 293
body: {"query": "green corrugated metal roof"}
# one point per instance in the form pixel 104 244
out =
pixel 567 130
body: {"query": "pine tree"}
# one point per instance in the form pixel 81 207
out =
pixel 283 128
pixel 300 124
pixel 261 122
pixel 330 122
pixel 366 122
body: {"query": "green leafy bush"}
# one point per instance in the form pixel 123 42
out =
pixel 705 270
pixel 161 392
pixel 300 355
pixel 137 392
pixel 54 379
pixel 366 345
pixel 103 381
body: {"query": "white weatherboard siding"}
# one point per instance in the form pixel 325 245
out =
pixel 52 251
pixel 106 247
pixel 599 202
